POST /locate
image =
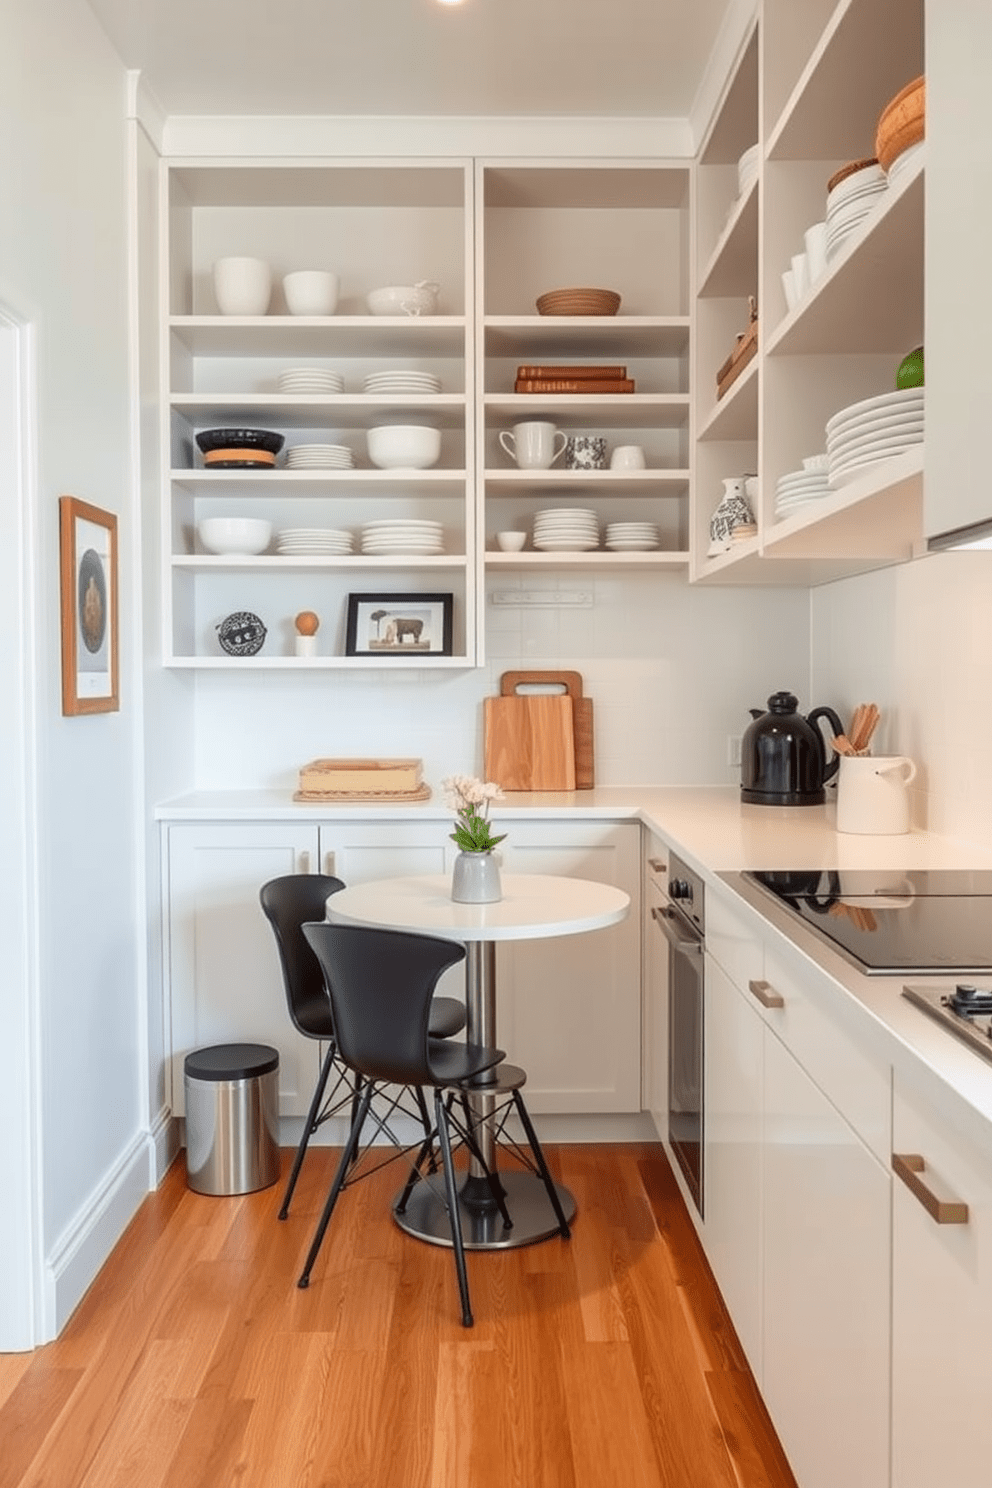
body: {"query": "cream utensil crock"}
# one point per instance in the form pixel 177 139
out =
pixel 873 794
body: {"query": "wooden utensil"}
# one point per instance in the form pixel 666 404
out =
pixel 582 719
pixel 863 724
pixel 843 745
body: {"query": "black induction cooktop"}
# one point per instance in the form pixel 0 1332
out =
pixel 892 922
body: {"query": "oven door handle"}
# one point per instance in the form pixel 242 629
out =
pixel 670 923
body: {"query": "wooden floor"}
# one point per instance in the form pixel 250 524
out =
pixel 606 1361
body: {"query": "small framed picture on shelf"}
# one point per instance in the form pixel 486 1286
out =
pixel 88 552
pixel 399 625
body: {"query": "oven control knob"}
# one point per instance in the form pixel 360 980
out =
pixel 678 888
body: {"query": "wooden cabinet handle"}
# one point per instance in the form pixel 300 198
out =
pixel 908 1166
pixel 656 865
pixel 766 994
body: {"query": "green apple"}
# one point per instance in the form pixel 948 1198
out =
pixel 910 371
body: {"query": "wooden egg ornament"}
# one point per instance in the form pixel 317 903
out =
pixel 307 623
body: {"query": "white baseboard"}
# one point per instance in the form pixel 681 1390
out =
pixel 165 1142
pixel 87 1241
pixel 592 1127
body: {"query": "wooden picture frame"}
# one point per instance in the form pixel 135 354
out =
pixel 88 568
pixel 399 625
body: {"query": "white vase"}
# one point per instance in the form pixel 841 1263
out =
pixel 476 879
pixel 733 511
pixel 242 286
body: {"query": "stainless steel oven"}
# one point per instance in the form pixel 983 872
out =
pixel 681 919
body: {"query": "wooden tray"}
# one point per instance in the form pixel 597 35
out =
pixel 422 793
pixel 743 352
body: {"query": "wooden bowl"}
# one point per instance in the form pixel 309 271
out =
pixel 901 122
pixel 849 170
pixel 578 302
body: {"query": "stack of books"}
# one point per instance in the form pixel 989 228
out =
pixel 579 379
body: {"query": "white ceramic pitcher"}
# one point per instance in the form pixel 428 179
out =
pixel 873 794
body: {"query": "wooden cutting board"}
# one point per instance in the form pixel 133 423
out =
pixel 542 741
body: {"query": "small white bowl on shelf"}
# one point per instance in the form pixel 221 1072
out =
pixel 242 536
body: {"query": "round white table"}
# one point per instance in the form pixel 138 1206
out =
pixel 533 906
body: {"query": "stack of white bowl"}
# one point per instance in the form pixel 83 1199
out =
pixel 800 487
pixel 302 380
pixel 398 381
pixel 319 457
pixel 402 535
pixel 747 168
pixel 566 529
pixel 872 430
pixel 325 542
pixel 850 202
pixel 631 537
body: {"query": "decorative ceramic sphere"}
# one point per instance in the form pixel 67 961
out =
pixel 307 623
pixel 241 634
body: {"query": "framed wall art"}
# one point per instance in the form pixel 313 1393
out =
pixel 88 548
pixel 399 625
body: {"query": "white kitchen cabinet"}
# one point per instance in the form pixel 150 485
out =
pixel 941 1298
pixel 569 1007
pixel 809 86
pixel 613 224
pixel 733 1094
pixel 374 223
pixel 825 1284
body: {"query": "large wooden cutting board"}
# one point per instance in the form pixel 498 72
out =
pixel 529 743
pixel 519 762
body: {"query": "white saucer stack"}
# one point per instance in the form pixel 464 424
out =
pixel 566 529
pixel 400 535
pixel 872 430
pixel 325 542
pixel 319 457
pixel 799 487
pixel 631 537
pixel 398 383
pixel 303 380
pixel 850 202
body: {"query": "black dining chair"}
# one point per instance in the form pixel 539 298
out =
pixel 381 985
pixel 288 903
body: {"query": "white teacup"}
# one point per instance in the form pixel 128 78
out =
pixel 510 542
pixel 242 286
pixel 627 457
pixel 533 444
pixel 311 292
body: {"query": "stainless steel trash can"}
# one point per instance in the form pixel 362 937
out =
pixel 232 1118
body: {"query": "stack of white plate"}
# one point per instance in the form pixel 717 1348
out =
pixel 319 457
pixel 400 535
pixel 874 429
pixel 747 168
pixel 327 542
pixel 398 383
pixel 302 380
pixel 566 529
pixel 798 488
pixel 631 537
pixel 905 161
pixel 850 202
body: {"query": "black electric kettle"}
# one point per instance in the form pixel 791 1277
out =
pixel 783 757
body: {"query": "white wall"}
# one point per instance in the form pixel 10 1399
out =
pixel 915 639
pixel 63 269
pixel 672 671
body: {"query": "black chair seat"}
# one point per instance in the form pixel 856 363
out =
pixel 447 1017
pixel 452 1064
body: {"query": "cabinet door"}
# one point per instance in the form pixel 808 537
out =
pixel 732 1167
pixel 569 1008
pixel 825 1376
pixel 941 1308
pixel 225 982
pixel 654 1020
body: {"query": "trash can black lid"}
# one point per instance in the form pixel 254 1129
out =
pixel 231 1061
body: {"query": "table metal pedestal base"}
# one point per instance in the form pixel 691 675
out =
pixel 426 1217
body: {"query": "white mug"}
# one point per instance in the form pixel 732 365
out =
pixel 242 286
pixel 872 794
pixel 627 457
pixel 532 444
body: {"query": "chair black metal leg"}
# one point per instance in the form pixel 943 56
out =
pixel 356 1101
pixel 309 1127
pixel 338 1184
pixel 441 1117
pixel 496 1188
pixel 542 1166
pixel 415 1175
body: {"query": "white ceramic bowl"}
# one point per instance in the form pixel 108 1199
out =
pixel 311 292
pixel 404 299
pixel 242 535
pixel 403 446
pixel 510 542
